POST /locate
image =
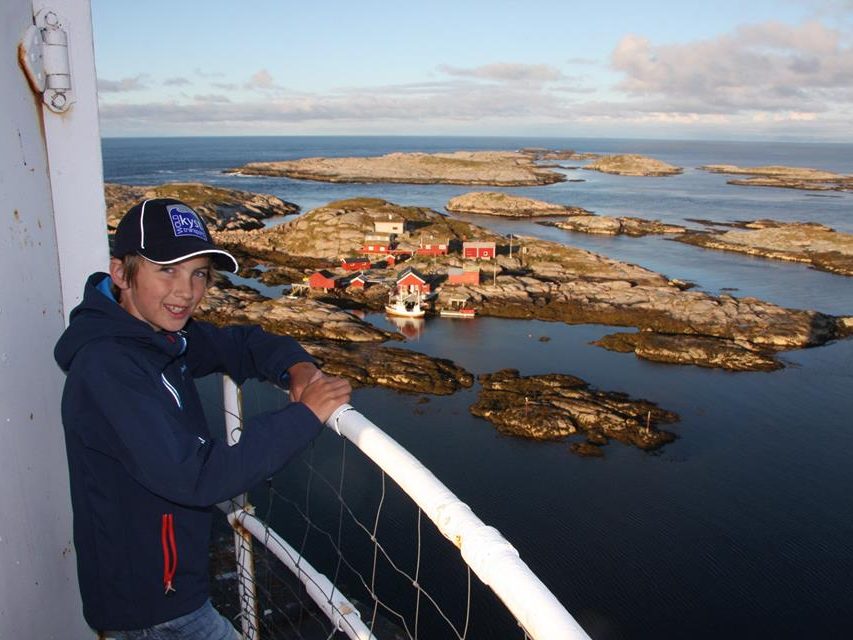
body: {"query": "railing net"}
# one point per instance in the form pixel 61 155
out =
pixel 348 519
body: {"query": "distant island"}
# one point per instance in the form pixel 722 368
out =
pixel 493 203
pixel 784 177
pixel 631 164
pixel 495 168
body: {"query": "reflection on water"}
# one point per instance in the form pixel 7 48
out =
pixel 412 328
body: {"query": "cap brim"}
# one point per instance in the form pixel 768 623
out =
pixel 222 260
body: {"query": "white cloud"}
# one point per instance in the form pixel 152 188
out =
pixel 260 80
pixel 211 97
pixel 134 83
pixel 507 72
pixel 176 82
pixel 769 66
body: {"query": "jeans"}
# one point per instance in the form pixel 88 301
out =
pixel 205 623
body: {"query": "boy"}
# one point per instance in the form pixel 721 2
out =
pixel 145 472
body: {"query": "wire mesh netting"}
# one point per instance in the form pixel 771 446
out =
pixel 342 514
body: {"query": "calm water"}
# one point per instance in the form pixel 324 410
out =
pixel 743 527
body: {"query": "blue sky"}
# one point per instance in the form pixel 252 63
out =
pixel 728 69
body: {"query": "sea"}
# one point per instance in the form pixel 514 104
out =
pixel 741 528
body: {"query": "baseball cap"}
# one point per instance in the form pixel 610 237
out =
pixel 165 231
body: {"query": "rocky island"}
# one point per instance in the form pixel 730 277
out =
pixel 493 203
pixel 520 277
pixel 784 177
pixel 554 406
pixel 220 208
pixel 497 168
pixel 612 226
pixel 815 244
pixel 631 164
pixel 545 281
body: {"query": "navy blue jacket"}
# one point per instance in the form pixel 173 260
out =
pixel 145 471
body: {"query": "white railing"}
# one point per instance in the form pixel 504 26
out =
pixel 494 560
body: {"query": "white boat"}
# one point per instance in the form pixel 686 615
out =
pixel 458 313
pixel 405 304
pixel 458 308
pixel 405 309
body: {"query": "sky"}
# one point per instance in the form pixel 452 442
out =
pixel 721 70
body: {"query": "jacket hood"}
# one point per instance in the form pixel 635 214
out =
pixel 100 317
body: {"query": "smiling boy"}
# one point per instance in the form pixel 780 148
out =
pixel 145 471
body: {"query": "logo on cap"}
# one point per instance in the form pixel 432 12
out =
pixel 185 222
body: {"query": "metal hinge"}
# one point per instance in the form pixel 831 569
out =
pixel 43 54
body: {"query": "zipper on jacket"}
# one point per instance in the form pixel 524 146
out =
pixel 170 551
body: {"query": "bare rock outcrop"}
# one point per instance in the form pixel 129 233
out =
pixel 554 406
pixel 498 168
pixel 663 309
pixel 300 318
pixel 702 351
pixel 631 164
pixel 391 367
pixel 541 154
pixel 220 208
pixel 494 203
pixel 785 177
pixel 815 244
pixel 612 226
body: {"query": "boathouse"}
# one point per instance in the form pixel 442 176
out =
pixel 356 281
pixel 478 250
pixel 410 280
pixel 357 263
pixel 323 279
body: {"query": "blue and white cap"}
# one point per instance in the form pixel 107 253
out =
pixel 166 231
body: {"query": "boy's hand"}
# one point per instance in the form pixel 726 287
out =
pixel 301 374
pixel 325 394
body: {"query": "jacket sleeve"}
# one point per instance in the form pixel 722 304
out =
pixel 243 351
pixel 165 454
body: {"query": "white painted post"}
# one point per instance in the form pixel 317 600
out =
pixel 243 552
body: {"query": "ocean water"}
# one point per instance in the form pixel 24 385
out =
pixel 742 527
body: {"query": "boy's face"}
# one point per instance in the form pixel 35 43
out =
pixel 164 296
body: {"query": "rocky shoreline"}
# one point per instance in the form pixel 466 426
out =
pixel 613 226
pixel 496 168
pixel 814 244
pixel 492 203
pixel 784 177
pixel 220 208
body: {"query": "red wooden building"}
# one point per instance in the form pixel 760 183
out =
pixel 376 243
pixel 412 281
pixel 357 263
pixel 324 280
pixel 463 276
pixel 356 281
pixel 478 250
pixel 432 249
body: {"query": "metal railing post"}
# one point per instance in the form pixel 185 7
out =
pixel 243 551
